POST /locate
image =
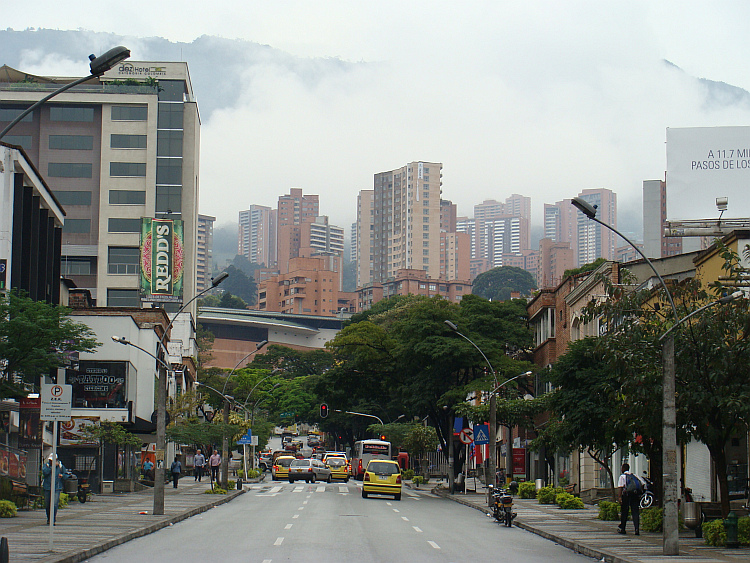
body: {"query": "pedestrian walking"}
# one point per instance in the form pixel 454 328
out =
pixel 629 488
pixel 199 461
pixel 176 469
pixel 148 469
pixel 214 462
pixel 60 474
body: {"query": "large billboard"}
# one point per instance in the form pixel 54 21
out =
pixel 162 247
pixel 705 163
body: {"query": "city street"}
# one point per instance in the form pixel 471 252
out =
pixel 278 521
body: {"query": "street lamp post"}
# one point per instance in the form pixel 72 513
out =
pixel 99 65
pixel 492 465
pixel 161 405
pixel 225 439
pixel 670 537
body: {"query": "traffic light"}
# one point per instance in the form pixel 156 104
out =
pixel 323 410
pixel 382 437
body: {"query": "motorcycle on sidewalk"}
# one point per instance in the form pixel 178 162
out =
pixel 648 498
pixel 502 506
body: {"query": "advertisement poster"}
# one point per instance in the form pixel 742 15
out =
pixel 12 463
pixel 162 252
pixel 99 385
pixel 704 163
pixel 29 424
pixel 519 461
pixel 70 431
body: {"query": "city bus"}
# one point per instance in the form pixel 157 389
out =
pixel 364 451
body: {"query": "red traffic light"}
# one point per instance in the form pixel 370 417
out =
pixel 323 410
pixel 382 438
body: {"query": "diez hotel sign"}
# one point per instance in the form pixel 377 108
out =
pixel 161 260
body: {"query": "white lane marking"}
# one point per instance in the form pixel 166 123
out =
pixel 267 560
pixel 343 489
pixel 320 489
pixel 433 544
pixel 389 504
pixel 416 529
pixel 278 541
pixel 404 518
pixel 304 502
pixel 288 527
pixel 410 493
pixel 396 510
pixel 275 489
pixel 298 489
pixel 295 516
pixel 308 496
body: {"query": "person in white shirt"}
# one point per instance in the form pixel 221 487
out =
pixel 630 498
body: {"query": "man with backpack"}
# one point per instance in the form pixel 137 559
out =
pixel 630 489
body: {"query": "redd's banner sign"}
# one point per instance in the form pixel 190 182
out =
pixel 162 248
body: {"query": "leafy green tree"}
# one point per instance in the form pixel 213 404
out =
pixel 240 284
pixel 35 338
pixel 712 388
pixel 401 358
pixel 497 284
pixel 587 404
pixel 420 440
pixel 229 301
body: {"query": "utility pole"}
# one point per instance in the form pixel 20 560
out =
pixel 225 447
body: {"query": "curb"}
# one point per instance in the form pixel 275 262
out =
pixel 575 546
pixel 156 526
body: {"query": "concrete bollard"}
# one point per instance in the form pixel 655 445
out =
pixel 4 550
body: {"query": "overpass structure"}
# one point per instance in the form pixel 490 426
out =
pixel 237 331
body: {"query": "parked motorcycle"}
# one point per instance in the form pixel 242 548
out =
pixel 648 498
pixel 502 506
pixel 83 490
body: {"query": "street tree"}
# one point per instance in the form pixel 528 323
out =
pixel 498 283
pixel 587 406
pixel 420 440
pixel 35 338
pixel 712 388
pixel 401 358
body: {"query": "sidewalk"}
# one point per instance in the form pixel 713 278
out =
pixel 581 531
pixel 84 530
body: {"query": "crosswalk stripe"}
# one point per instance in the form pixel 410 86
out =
pixel 320 489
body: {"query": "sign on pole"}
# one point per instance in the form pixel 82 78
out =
pixel 56 401
pixel 481 434
pixel 466 436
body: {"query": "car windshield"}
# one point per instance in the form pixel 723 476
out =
pixel 284 461
pixel 336 461
pixel 301 463
pixel 383 468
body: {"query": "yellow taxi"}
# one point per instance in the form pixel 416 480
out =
pixel 280 469
pixel 382 477
pixel 339 467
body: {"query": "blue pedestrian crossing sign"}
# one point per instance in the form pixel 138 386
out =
pixel 481 434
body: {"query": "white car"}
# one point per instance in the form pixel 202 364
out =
pixel 310 470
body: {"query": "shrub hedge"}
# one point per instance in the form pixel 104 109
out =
pixel 527 489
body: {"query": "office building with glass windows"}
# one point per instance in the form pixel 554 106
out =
pixel 113 150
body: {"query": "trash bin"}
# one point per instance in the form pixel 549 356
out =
pixel 70 485
pixel 539 484
pixel 108 487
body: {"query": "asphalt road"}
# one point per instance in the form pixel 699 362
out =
pixel 278 521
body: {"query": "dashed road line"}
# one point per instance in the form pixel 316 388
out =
pixel 433 544
pixel 288 526
pixel 295 516
pixel 279 541
pixel 404 518
pixel 417 529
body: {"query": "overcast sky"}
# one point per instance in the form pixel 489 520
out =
pixel 538 98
